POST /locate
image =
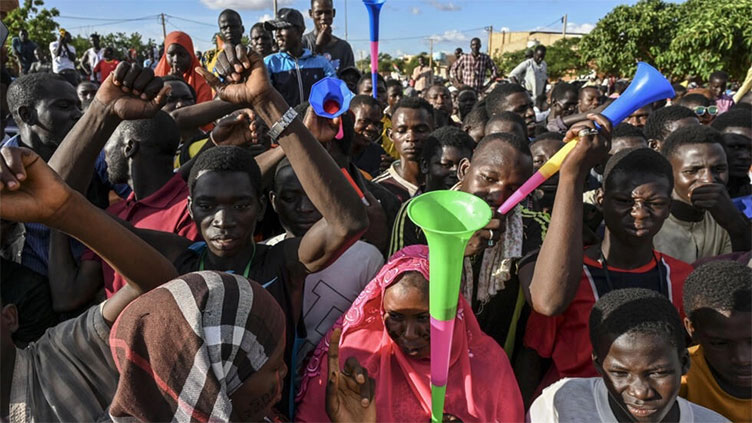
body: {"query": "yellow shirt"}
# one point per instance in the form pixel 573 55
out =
pixel 700 387
pixel 386 143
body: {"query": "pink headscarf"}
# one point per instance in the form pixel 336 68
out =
pixel 481 384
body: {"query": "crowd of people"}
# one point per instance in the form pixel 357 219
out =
pixel 184 239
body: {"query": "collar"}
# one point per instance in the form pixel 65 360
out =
pixel 409 186
pixel 161 198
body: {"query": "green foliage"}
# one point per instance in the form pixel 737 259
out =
pixel 37 20
pixel 387 64
pixel 563 58
pixel 629 34
pixel 712 35
pixel 509 60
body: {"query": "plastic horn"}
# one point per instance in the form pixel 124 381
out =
pixel 374 7
pixel 448 219
pixel 329 98
pixel 648 85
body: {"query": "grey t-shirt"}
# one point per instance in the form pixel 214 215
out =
pixel 338 51
pixel 586 400
pixel 68 375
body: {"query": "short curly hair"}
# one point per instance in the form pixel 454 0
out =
pixel 719 285
pixel 226 159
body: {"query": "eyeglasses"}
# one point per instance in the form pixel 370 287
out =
pixel 711 110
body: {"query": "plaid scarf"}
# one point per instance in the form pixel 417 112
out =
pixel 185 347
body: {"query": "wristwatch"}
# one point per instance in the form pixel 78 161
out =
pixel 281 124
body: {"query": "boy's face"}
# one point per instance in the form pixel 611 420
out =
pixel 643 374
pixel 717 87
pixel 225 206
pixel 635 206
pixel 496 171
pixel 410 127
pixel 367 124
pixel 696 165
pixel 296 211
pixel 441 171
pixel 726 339
pixel 521 104
pixel 366 88
pixel 393 95
pixel 738 142
pixel 640 116
pixel 588 99
pixel 440 98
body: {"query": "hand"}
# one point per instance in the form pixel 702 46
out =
pixel 323 129
pixel 132 93
pixel 590 150
pixel 239 128
pixel 715 199
pixel 324 37
pixel 491 232
pixel 349 393
pixel 31 190
pixel 244 72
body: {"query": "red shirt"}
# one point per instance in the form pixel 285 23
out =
pixel 165 210
pixel 565 339
pixel 105 67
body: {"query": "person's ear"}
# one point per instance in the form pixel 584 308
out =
pixel 28 115
pixel 423 166
pixel 685 361
pixel 462 169
pixel 689 327
pixel 10 316
pixel 310 13
pixel 597 364
pixel 190 206
pixel 262 201
pixel 273 200
pixel 654 144
pixel 130 148
pixel 599 198
pixel 334 13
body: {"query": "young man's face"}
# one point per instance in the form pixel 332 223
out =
pixel 495 172
pixel 366 88
pixel 410 127
pixel 696 165
pixel 588 99
pixel 23 36
pixel 465 102
pixel 726 339
pixel 635 206
pixel 322 13
pixel 439 98
pixel 475 46
pixel 520 103
pixel 94 42
pixel 261 41
pixel 86 91
pixel 441 170
pixel 180 96
pixel 566 105
pixel 640 116
pixel 717 87
pixel 289 39
pixel 367 125
pixel 296 212
pixel 226 207
pixel 231 28
pixel 738 141
pixel 56 112
pixel 643 375
pixel 118 167
pixel 393 95
pixel 539 55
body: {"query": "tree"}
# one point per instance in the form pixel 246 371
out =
pixel 712 35
pixel 563 58
pixel 629 34
pixel 37 20
pixel 509 60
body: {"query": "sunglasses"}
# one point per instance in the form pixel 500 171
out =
pixel 711 110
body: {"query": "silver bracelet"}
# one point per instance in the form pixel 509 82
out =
pixel 281 124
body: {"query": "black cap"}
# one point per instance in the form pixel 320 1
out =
pixel 286 18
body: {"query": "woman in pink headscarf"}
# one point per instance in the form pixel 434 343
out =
pixel 179 59
pixel 387 329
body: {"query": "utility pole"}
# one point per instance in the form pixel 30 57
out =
pixel 564 29
pixel 164 30
pixel 345 20
pixel 275 9
pixel 490 40
pixel 430 55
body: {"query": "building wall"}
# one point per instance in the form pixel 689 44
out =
pixel 503 42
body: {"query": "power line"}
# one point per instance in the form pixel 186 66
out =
pixel 114 21
pixel 417 37
pixel 191 21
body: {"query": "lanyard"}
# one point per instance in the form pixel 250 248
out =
pixel 662 285
pixel 247 270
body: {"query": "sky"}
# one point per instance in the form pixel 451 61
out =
pixel 406 25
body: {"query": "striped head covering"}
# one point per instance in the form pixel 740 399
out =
pixel 185 347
